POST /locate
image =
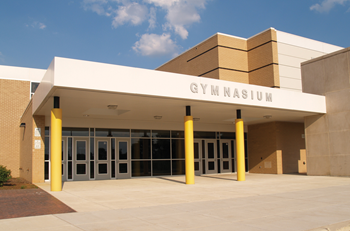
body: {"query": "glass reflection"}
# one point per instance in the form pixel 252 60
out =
pixel 102 150
pixel 123 150
pixel 81 150
pixel 161 167
pixel 140 148
pixel 161 149
pixel 178 148
pixel 141 168
pixel 178 167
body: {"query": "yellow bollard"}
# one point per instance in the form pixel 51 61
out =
pixel 240 150
pixel 56 149
pixel 189 150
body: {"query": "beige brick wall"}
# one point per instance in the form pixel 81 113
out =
pixel 14 97
pixel 275 147
pixel 253 61
pixel 31 158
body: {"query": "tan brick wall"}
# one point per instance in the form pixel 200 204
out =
pixel 253 61
pixel 275 147
pixel 14 97
pixel 38 155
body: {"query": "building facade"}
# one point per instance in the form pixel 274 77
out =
pixel 122 122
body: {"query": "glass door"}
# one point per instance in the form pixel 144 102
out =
pixel 211 156
pixel 64 159
pixel 197 159
pixel 123 159
pixel 103 159
pixel 226 150
pixel 81 158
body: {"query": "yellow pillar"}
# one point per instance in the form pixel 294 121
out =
pixel 56 149
pixel 240 150
pixel 189 150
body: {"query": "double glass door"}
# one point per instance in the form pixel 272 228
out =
pixel 113 158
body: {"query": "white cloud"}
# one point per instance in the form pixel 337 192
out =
pixel 96 6
pixel 152 18
pixel 155 45
pixel 37 25
pixel 180 13
pixel 327 5
pixel 130 12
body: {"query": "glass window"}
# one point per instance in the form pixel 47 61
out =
pixel 75 132
pixel 161 149
pixel 34 86
pixel 225 153
pixel 70 170
pixel 211 151
pixel 141 148
pixel 113 149
pixel 102 150
pixel 160 134
pixel 205 135
pixel 196 166
pixel 161 167
pixel 81 169
pixel 104 132
pixel 141 168
pixel 92 170
pixel 177 134
pixel 70 149
pixel 102 169
pixel 211 165
pixel 178 148
pixel 47 131
pixel 92 149
pixel 178 167
pixel 47 170
pixel 91 132
pixel 47 148
pixel 123 150
pixel 123 168
pixel 196 150
pixel 140 133
pixel 113 168
pixel 228 135
pixel 226 165
pixel 81 150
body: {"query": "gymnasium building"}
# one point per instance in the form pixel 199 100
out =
pixel 274 103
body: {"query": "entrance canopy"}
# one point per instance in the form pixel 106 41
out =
pixel 106 91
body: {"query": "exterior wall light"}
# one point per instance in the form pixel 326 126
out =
pixel 157 117
pixel 22 125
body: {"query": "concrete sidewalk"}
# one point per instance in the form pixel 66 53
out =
pixel 215 202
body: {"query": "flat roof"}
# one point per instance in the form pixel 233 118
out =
pixel 87 88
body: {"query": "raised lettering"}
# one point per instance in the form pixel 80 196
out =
pixel 269 97
pixel 227 92
pixel 204 87
pixel 215 90
pixel 259 96
pixel 244 94
pixel 252 95
pixel 194 87
pixel 236 94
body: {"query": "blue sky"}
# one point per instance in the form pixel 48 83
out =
pixel 148 33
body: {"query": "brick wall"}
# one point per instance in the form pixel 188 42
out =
pixel 14 97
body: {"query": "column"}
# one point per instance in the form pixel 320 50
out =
pixel 189 149
pixel 240 147
pixel 56 146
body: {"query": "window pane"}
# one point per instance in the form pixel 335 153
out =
pixel 47 148
pixel 81 169
pixel 196 150
pixel 196 166
pixel 141 168
pixel 161 167
pixel 178 148
pixel 47 131
pixel 227 135
pixel 47 170
pixel 102 150
pixel 92 149
pixel 177 134
pixel 70 170
pixel 81 150
pixel 34 86
pixel 123 168
pixel 140 133
pixel 102 168
pixel 104 132
pixel 161 134
pixel 123 150
pixel 205 135
pixel 75 131
pixel 211 165
pixel 141 148
pixel 211 150
pixel 92 170
pixel 161 148
pixel 113 168
pixel 225 153
pixel 178 167
pixel 91 132
pixel 226 165
pixel 70 149
pixel 113 149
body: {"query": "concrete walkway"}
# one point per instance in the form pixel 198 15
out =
pixel 215 202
